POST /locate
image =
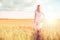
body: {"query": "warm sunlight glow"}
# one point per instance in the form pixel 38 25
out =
pixel 50 18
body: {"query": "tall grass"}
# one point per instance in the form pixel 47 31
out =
pixel 16 33
pixel 48 32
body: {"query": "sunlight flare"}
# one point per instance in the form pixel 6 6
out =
pixel 50 18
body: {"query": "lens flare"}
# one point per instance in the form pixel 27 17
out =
pixel 50 18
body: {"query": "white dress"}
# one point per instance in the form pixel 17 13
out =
pixel 38 20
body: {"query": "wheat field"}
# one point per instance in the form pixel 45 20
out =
pixel 22 29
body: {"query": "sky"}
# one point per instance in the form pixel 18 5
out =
pixel 25 9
